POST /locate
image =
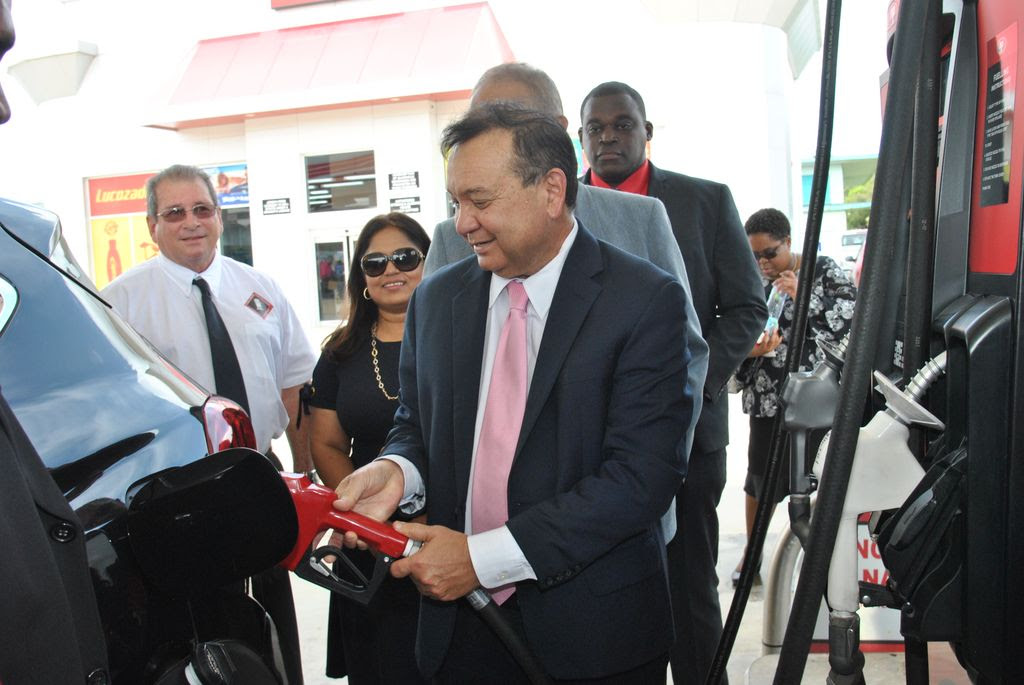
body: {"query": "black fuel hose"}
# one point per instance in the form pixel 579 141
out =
pixel 920 263
pixel 766 505
pixel 885 222
pixel 491 615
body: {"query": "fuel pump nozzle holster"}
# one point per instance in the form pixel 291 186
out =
pixel 809 400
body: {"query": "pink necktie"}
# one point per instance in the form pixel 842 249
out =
pixel 503 418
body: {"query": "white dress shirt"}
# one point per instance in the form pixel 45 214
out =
pixel 158 300
pixel 496 556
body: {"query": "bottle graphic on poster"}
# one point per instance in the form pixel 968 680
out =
pixel 113 261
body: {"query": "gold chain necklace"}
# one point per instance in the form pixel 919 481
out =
pixel 376 364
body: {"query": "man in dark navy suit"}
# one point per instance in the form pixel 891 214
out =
pixel 729 300
pixel 597 451
pixel 50 632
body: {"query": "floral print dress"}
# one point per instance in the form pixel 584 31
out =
pixel 833 297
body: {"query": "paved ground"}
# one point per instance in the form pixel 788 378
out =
pixel 746 659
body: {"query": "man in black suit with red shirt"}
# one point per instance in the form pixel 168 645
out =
pixel 729 299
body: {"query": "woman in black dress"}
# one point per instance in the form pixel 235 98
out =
pixel 355 396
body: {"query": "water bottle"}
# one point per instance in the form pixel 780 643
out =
pixel 776 301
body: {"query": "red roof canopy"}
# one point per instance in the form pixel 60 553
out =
pixel 428 54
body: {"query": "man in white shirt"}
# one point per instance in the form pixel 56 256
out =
pixel 159 299
pixel 163 300
pixel 594 454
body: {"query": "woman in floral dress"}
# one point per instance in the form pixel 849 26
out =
pixel 833 297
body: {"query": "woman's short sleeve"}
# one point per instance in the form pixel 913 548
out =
pixel 325 382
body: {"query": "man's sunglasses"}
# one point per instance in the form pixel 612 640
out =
pixel 405 259
pixel 770 253
pixel 176 215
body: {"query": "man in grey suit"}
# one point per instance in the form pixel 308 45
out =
pixel 639 225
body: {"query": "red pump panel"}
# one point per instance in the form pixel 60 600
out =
pixel 999 162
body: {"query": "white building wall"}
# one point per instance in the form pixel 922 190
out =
pixel 402 137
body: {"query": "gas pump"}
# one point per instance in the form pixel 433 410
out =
pixel 884 474
pixel 809 400
pixel 941 299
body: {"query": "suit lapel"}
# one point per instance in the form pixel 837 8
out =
pixel 574 296
pixel 469 317
pixel 655 183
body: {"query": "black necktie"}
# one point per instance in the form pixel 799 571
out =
pixel 227 375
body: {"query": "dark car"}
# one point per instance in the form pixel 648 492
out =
pixel 106 412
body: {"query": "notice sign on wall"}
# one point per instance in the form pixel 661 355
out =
pixel 278 205
pixel 406 205
pixel 999 99
pixel 403 181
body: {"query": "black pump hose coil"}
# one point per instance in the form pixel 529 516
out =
pixel 766 505
pixel 885 222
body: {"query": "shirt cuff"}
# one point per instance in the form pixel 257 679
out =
pixel 415 497
pixel 497 558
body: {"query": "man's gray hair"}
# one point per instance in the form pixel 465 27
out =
pixel 176 172
pixel 545 94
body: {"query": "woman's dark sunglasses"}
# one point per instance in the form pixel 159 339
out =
pixel 770 253
pixel 405 259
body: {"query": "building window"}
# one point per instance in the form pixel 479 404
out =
pixel 236 241
pixel 341 181
pixel 332 271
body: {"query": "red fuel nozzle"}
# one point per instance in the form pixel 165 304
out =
pixel 314 507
